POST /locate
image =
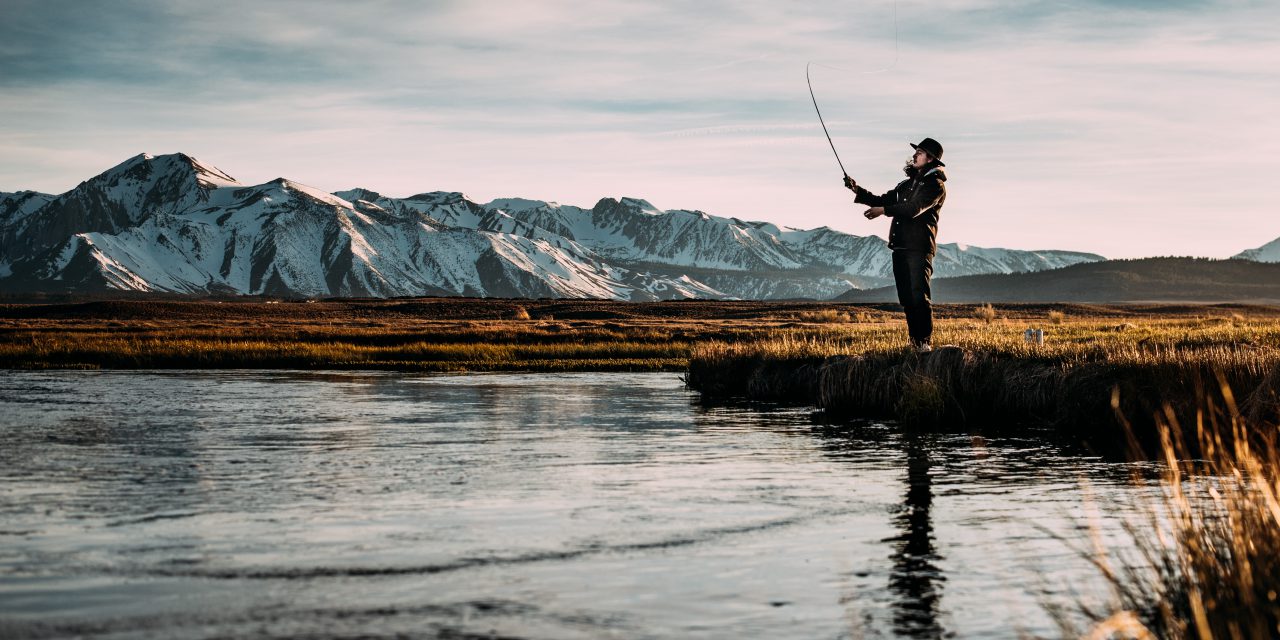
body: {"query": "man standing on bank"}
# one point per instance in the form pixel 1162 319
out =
pixel 914 206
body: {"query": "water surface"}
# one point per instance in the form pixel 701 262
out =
pixel 214 504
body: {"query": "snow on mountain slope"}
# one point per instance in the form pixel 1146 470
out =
pixel 634 231
pixel 172 223
pixel 445 207
pixel 850 254
pixel 567 221
pixel 114 200
pixel 1269 252
pixel 285 238
pixel 16 206
pixel 963 260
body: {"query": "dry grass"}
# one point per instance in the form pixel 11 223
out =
pixel 824 315
pixel 431 335
pixel 1077 340
pixel 990 373
pixel 484 345
pixel 450 334
pixel 1208 562
pixel 985 313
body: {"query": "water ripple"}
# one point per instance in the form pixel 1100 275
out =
pixel 327 504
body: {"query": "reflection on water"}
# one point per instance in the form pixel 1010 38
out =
pixel 204 504
pixel 915 578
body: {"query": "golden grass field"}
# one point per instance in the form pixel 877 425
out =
pixel 428 335
pixel 483 335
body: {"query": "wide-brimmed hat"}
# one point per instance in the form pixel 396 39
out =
pixel 931 147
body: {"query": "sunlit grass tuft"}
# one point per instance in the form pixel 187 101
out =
pixel 985 313
pixel 1208 562
pixel 824 315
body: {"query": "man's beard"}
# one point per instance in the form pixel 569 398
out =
pixel 910 169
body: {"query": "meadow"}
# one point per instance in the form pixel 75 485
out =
pixel 421 335
pixel 459 334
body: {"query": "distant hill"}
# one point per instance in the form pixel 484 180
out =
pixel 1269 252
pixel 1144 280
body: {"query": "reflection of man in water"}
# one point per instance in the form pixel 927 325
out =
pixel 915 578
pixel 914 206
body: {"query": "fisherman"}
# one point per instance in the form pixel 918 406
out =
pixel 914 206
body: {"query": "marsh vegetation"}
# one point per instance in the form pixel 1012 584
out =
pixel 987 372
pixel 1203 555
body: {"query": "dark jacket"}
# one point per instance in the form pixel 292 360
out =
pixel 914 205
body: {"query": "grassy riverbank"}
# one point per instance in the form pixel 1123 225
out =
pixel 1087 367
pixel 762 349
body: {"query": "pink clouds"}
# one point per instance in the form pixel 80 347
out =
pixel 1064 129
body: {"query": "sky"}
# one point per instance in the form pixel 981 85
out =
pixel 1128 129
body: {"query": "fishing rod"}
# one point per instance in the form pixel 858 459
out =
pixel 820 121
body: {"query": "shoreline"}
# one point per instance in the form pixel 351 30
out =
pixel 848 359
pixel 1089 398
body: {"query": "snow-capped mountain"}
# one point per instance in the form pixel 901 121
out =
pixel 1269 252
pixel 170 223
pixel 633 230
pixel 115 200
pixel 17 206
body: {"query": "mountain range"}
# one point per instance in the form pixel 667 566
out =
pixel 171 223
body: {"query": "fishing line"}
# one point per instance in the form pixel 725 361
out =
pixel 884 70
pixel 809 81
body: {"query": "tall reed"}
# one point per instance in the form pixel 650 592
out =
pixel 1208 562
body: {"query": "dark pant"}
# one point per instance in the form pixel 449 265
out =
pixel 911 272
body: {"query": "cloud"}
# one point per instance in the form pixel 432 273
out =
pixel 1060 120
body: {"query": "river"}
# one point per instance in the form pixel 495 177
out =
pixel 194 504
